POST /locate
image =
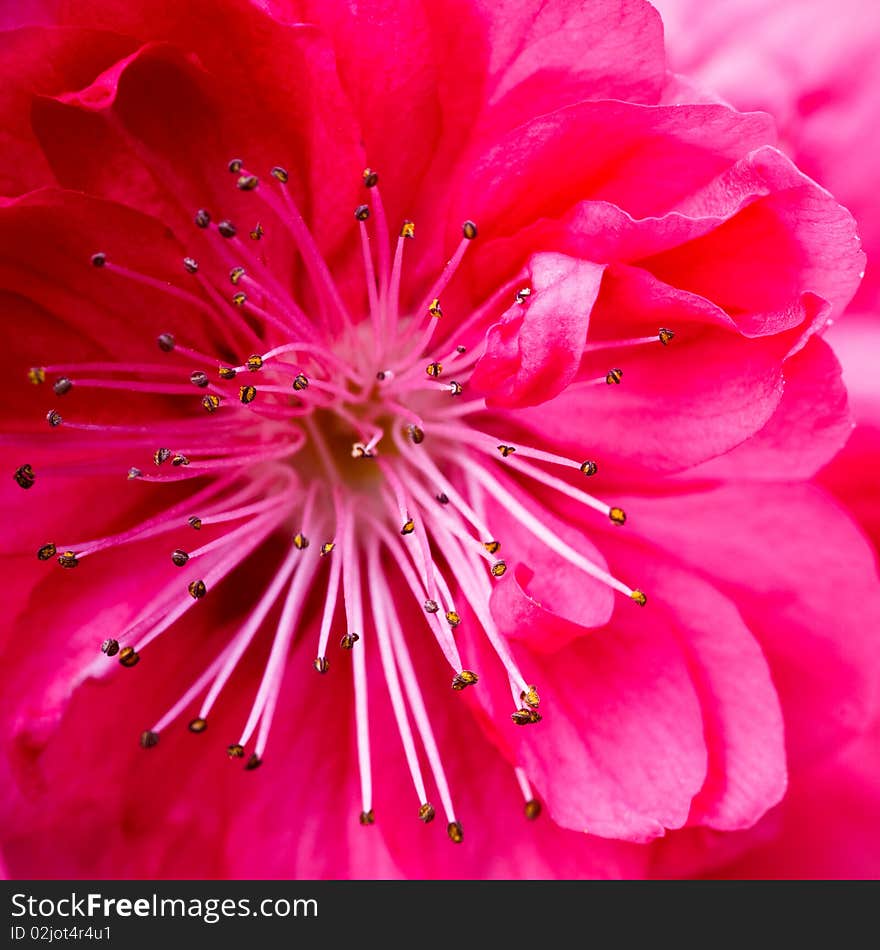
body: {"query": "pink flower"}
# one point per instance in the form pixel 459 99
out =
pixel 590 323
pixel 813 65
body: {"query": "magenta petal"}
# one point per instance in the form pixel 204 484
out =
pixel 810 424
pixel 808 593
pixel 741 713
pixel 535 350
pixel 544 602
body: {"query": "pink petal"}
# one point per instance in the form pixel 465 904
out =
pixel 809 595
pixel 535 350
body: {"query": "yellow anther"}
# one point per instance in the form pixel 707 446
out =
pixel 530 697
pixel 464 679
pixel 197 589
pixel 617 516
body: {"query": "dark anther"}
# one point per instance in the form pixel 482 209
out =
pixel 455 832
pixel 367 817
pixel 300 382
pixel 247 183
pixel 110 647
pixel 247 394
pixel 47 552
pixel 194 522
pixel 62 385
pixel 99 259
pixel 160 456
pixel 191 265
pixel 149 739
pixel 525 716
pixel 614 376
pixel 321 664
pixel 280 174
pixel 254 762
pixel 197 589
pixel 235 751
pixel 69 560
pixel 254 362
pixel 227 229
pixel 348 641
pixel 371 178
pixel 134 473
pixel 129 657
pixel 211 403
pixel 469 230
pixel 532 808
pixel 179 557
pixel 53 417
pixel 203 218
pixel 362 212
pixel 235 165
pixel 589 468
pixel 198 725
pixel 166 342
pixel 198 378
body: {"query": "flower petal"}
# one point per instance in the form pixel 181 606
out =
pixel 535 350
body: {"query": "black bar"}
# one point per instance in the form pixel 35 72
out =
pixel 168 914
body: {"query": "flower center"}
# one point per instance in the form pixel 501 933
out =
pixel 357 440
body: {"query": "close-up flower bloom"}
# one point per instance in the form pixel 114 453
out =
pixel 411 422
